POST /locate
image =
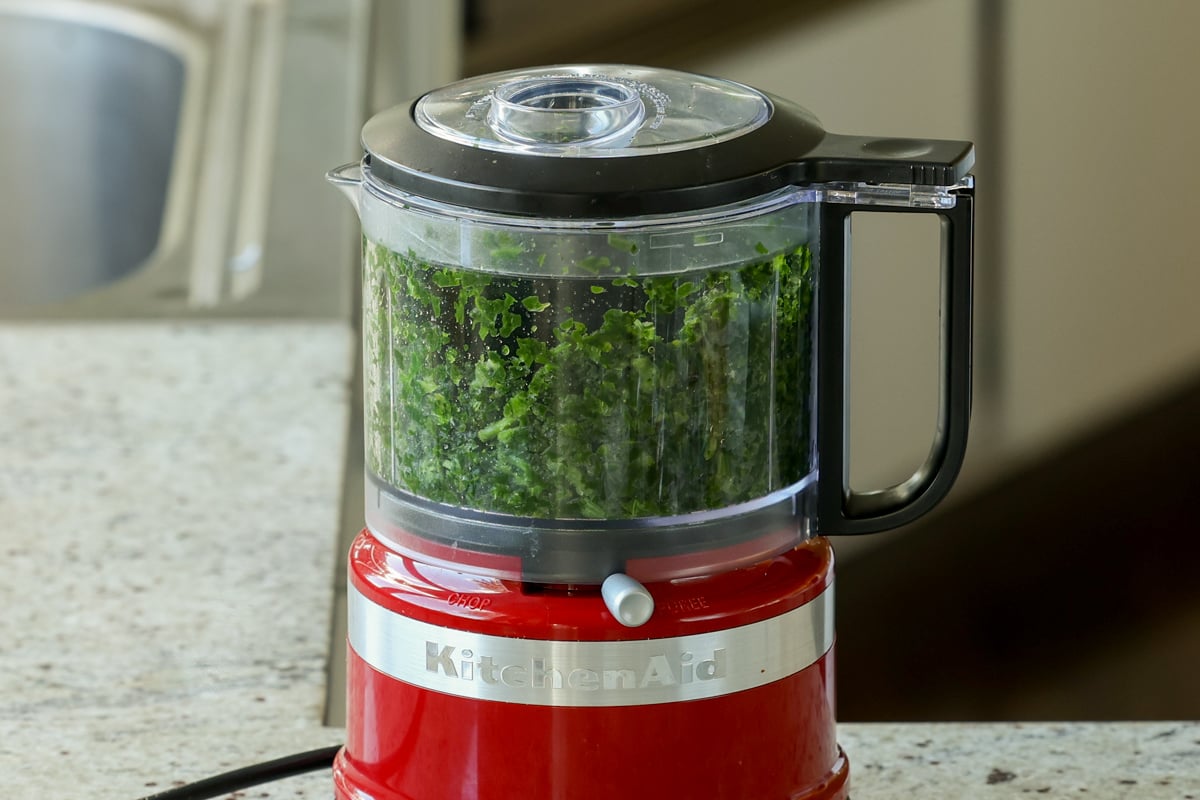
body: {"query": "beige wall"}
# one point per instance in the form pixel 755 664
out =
pixel 1102 266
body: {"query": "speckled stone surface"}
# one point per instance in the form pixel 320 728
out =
pixel 1086 761
pixel 169 501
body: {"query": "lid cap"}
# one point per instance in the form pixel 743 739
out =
pixel 565 110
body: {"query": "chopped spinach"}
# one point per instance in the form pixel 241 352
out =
pixel 588 397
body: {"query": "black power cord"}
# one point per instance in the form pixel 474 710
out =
pixel 217 785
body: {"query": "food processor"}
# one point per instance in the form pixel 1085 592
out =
pixel 604 320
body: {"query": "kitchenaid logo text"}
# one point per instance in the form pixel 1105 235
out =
pixel 567 673
pixel 537 673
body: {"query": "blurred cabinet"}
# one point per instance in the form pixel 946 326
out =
pixel 416 45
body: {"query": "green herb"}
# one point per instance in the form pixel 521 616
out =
pixel 594 264
pixel 633 397
pixel 622 243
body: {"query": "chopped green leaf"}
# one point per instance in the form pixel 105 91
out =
pixel 622 243
pixel 595 264
pixel 669 394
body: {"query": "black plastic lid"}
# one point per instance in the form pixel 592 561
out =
pixel 615 141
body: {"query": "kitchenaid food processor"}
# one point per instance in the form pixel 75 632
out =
pixel 605 385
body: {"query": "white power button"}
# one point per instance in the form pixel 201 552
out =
pixel 628 600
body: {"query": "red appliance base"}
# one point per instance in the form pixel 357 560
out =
pixel 774 741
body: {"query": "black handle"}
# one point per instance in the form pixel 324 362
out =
pixel 841 510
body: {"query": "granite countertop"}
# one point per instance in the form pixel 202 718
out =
pixel 1097 761
pixel 169 502
pixel 169 498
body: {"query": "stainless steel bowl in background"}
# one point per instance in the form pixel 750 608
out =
pixel 164 158
pixel 97 145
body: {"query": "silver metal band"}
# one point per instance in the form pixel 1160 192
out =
pixel 562 673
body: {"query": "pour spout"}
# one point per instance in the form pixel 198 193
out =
pixel 347 178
